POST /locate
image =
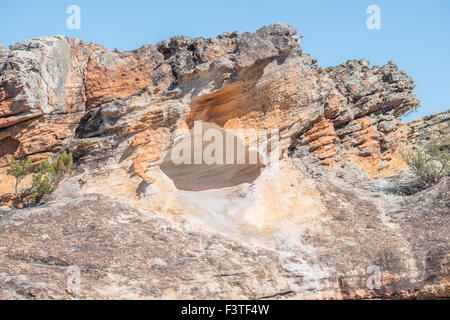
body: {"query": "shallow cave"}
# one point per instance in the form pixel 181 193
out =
pixel 246 165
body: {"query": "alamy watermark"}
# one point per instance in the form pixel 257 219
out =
pixel 374 277
pixel 374 20
pixel 73 22
pixel 73 280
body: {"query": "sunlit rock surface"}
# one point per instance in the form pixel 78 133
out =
pixel 315 223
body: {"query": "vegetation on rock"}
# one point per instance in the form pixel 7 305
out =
pixel 46 176
pixel 429 162
pixel 19 169
pixel 406 112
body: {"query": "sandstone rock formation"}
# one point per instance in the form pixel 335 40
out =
pixel 3 55
pixel 312 224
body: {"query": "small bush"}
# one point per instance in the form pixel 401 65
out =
pixel 49 173
pixel 46 176
pixel 19 169
pixel 406 112
pixel 429 162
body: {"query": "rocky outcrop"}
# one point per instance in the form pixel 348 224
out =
pixel 3 55
pixel 128 253
pixel 260 80
pixel 427 128
pixel 363 107
pixel 41 96
pixel 327 209
pixel 124 253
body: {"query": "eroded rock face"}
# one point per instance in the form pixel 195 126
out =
pixel 308 225
pixel 362 109
pixel 3 55
pixel 427 128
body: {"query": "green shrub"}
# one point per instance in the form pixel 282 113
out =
pixel 19 169
pixel 406 112
pixel 45 177
pixel 429 162
pixel 439 151
pixel 49 173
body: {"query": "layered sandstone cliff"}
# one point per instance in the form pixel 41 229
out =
pixel 308 225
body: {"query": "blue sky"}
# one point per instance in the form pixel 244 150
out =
pixel 415 34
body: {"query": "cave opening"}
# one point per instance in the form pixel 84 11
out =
pixel 210 157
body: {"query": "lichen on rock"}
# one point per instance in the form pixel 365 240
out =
pixel 308 225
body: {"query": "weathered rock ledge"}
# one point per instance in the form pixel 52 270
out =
pixel 314 224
